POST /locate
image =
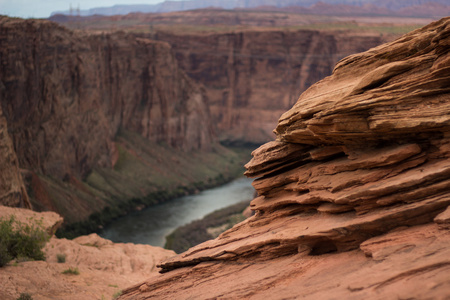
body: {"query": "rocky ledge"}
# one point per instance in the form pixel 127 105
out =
pixel 353 195
pixel 100 268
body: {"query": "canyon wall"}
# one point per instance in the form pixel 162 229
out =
pixel 12 188
pixel 65 96
pixel 251 77
pixel 353 195
pixel 99 119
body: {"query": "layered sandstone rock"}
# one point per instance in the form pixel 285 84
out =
pixel 253 76
pixel 353 195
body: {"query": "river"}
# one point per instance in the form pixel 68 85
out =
pixel 151 225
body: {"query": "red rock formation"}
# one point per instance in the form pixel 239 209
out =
pixel 253 76
pixel 354 194
pixel 65 96
pixel 252 64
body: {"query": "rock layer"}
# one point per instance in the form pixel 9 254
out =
pixel 353 195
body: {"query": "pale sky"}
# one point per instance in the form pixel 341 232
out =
pixel 43 8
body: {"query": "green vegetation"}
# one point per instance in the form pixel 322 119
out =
pixel 71 271
pixel 25 296
pixel 209 227
pixel 117 294
pixel 21 241
pixel 61 258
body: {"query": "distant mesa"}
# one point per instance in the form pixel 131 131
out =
pixel 421 8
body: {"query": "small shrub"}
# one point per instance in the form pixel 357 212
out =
pixel 20 259
pixel 117 294
pixel 71 271
pixel 61 258
pixel 21 241
pixel 5 256
pixel 25 296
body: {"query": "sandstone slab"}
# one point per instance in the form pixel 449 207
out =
pixel 49 221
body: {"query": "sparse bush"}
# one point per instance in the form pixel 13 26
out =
pixel 5 257
pixel 21 241
pixel 61 257
pixel 25 296
pixel 72 271
pixel 117 294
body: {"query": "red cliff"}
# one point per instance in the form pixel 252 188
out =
pixel 252 76
pixel 65 96
pixel 97 119
pixel 353 195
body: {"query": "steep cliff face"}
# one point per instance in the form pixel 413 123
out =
pixel 12 188
pixel 354 194
pixel 97 119
pixel 252 77
pixel 65 96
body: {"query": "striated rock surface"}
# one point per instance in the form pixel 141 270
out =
pixel 104 268
pixel 65 96
pixel 12 188
pixel 252 76
pixel 353 195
